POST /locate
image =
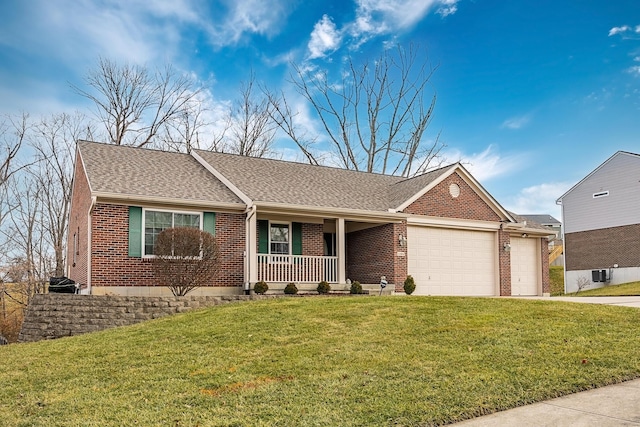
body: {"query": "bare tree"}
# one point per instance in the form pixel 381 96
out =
pixel 183 133
pixel 134 105
pixel 249 129
pixel 54 141
pixel 375 117
pixel 12 134
pixel 185 259
pixel 24 234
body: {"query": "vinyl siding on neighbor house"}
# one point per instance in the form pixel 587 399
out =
pixel 620 176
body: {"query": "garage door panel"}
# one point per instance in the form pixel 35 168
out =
pixel 452 262
pixel 524 266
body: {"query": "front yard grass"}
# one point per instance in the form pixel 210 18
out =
pixel 625 289
pixel 556 280
pixel 321 361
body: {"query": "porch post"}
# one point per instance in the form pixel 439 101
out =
pixel 342 252
pixel 252 249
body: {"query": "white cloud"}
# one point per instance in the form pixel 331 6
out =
pixel 325 38
pixel 250 16
pixel 635 70
pixel 487 164
pixel 517 122
pixel 619 30
pixel 377 17
pixel 449 7
pixel 539 199
pixel 637 29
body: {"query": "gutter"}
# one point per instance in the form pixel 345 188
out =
pixel 329 212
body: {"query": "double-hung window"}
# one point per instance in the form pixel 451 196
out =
pixel 279 239
pixel 156 222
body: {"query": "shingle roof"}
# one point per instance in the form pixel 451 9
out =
pixel 542 219
pixel 277 181
pixel 149 173
pixel 130 171
pixel 531 223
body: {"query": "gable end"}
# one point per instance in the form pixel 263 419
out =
pixel 440 202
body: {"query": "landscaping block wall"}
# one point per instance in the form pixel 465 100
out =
pixel 52 316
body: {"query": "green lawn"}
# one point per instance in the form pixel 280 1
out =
pixel 625 289
pixel 556 280
pixel 350 361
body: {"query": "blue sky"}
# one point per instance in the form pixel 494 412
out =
pixel 532 94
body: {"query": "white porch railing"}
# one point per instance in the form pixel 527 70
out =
pixel 297 268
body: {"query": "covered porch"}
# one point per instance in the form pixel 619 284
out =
pixel 309 249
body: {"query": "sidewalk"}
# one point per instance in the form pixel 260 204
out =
pixel 614 405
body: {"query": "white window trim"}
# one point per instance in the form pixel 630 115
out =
pixel 290 243
pixel 144 224
pixel 600 194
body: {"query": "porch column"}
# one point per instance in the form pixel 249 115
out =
pixel 342 250
pixel 252 249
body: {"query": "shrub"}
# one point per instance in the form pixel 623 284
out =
pixel 185 259
pixel 409 285
pixel 291 289
pixel 261 287
pixel 356 288
pixel 323 287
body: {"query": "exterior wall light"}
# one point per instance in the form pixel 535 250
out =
pixel 402 240
pixel 525 235
pixel 506 247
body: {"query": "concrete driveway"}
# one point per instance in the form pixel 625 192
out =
pixel 622 301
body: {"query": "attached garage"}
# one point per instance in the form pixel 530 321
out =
pixel 446 261
pixel 524 266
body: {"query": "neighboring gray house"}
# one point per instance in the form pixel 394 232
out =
pixel 547 221
pixel 601 219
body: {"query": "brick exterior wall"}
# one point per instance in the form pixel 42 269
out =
pixel 504 263
pixel 373 252
pixel 438 202
pixel 312 239
pixel 596 249
pixel 111 265
pixel 77 263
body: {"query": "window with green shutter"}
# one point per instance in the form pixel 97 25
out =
pixel 146 224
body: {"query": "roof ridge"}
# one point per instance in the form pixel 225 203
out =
pixel 270 159
pixel 425 173
pixel 131 147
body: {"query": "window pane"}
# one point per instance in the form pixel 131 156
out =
pixel 186 220
pixel 154 224
pixel 279 235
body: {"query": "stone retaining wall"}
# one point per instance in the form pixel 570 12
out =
pixel 52 316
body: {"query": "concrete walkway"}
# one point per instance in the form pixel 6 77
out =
pixel 623 301
pixel 615 405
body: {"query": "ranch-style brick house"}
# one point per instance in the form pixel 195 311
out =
pixel 284 222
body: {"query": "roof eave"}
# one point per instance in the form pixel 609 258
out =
pixel 329 212
pixel 136 198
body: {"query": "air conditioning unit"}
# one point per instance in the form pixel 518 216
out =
pixel 598 275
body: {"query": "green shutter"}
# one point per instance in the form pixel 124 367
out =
pixel 296 238
pixel 135 231
pixel 209 222
pixel 263 236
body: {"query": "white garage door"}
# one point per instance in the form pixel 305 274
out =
pixel 524 266
pixel 452 262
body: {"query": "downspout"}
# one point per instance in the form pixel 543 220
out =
pixel 248 255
